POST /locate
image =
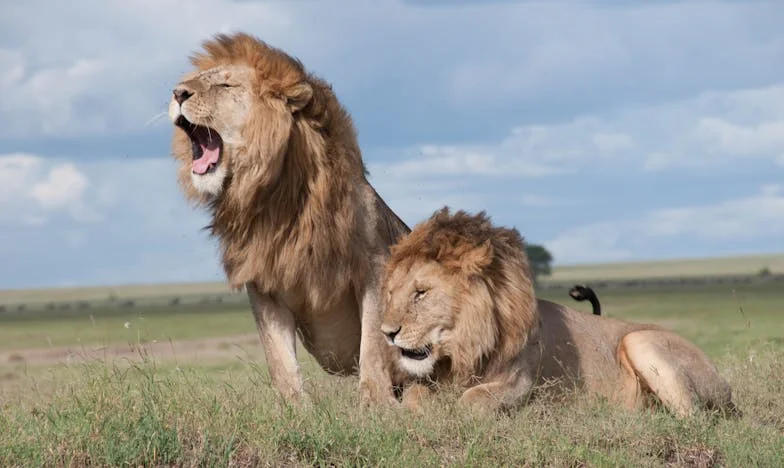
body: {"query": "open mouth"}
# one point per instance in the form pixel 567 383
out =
pixel 206 145
pixel 416 354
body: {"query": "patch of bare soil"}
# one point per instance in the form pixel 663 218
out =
pixel 698 457
pixel 207 349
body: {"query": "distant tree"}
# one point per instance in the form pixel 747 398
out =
pixel 765 271
pixel 539 258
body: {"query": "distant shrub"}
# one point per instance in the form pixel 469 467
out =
pixel 765 271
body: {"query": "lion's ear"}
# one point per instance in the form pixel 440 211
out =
pixel 298 96
pixel 474 261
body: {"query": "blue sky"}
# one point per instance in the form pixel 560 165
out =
pixel 607 130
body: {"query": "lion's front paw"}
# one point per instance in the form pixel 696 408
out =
pixel 478 400
pixel 414 396
pixel 295 397
pixel 373 394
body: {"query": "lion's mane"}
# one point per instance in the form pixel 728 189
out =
pixel 471 248
pixel 287 217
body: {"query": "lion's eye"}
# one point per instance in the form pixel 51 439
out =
pixel 419 294
pixel 225 85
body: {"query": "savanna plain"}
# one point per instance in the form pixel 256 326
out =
pixel 186 385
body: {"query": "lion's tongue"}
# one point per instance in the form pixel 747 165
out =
pixel 210 155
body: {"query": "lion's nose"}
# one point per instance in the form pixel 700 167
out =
pixel 392 334
pixel 181 95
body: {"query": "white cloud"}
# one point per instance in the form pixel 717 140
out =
pixel 115 72
pixel 683 133
pixel 64 185
pixel 583 88
pixel 414 199
pixel 611 142
pixel 140 228
pixel 16 171
pixel 467 160
pixel 771 189
pixel 742 140
pixel 730 221
pixel 529 151
pixel 111 70
pixel 572 51
pixel 32 189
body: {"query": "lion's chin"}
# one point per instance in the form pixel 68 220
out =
pixel 210 183
pixel 417 362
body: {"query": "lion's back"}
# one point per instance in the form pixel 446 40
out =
pixel 581 347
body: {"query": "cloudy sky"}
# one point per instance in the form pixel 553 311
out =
pixel 607 130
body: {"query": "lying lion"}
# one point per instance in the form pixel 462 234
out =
pixel 460 306
pixel 267 148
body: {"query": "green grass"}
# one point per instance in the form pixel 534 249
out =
pixel 133 325
pixel 709 315
pixel 718 318
pixel 143 414
pixel 740 265
pixel 101 293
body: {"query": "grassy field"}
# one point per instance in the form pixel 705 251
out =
pixel 100 293
pixel 741 265
pixel 132 325
pixel 719 318
pixel 217 408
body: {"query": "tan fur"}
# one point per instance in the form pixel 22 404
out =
pixel 460 288
pixel 298 223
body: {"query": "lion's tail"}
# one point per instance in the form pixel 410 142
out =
pixel 581 292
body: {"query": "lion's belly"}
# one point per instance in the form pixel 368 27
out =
pixel 332 334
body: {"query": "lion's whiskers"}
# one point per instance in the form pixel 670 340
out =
pixel 155 118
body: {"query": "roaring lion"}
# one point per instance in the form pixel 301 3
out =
pixel 267 148
pixel 460 307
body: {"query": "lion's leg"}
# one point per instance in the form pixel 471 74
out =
pixel 277 330
pixel 492 396
pixel 676 371
pixel 375 380
pixel 414 395
pixel 629 391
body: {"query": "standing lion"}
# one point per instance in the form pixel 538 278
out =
pixel 267 148
pixel 460 306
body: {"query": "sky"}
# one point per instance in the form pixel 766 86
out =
pixel 606 130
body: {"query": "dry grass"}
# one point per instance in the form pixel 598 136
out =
pixel 102 293
pixel 195 411
pixel 144 414
pixel 742 265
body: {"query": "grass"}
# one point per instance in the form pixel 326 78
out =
pixel 102 293
pixel 133 325
pixel 718 318
pixel 149 412
pixel 145 414
pixel 709 315
pixel 740 265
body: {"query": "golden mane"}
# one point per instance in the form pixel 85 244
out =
pixel 472 248
pixel 288 219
